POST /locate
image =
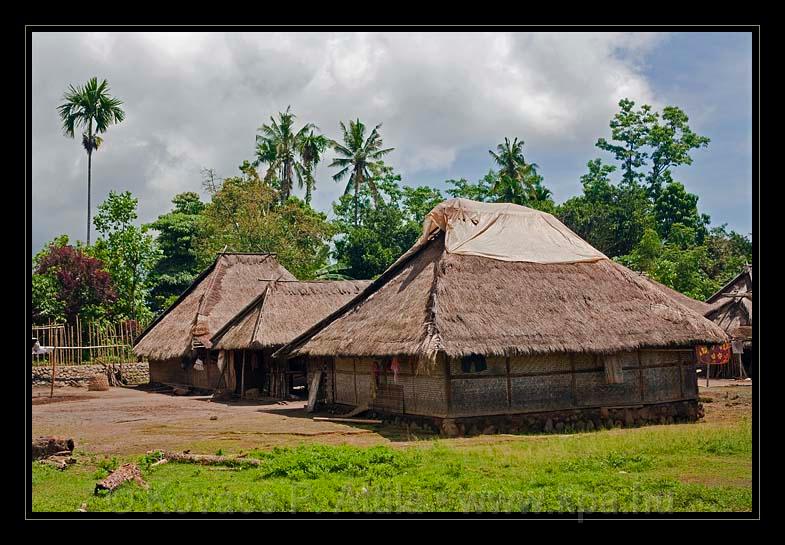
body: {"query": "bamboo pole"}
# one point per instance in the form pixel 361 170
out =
pixel 52 381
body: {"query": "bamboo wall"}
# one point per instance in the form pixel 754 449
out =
pixel 519 384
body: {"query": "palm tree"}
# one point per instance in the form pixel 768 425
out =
pixel 514 182
pixel 356 155
pixel 92 107
pixel 278 145
pixel 311 146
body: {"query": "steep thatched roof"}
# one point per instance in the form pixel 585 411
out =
pixel 433 301
pixel 216 295
pixel 283 311
pixel 693 304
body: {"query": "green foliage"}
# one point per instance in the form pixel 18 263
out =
pixel 130 254
pixel 178 265
pixel 46 306
pixel 244 215
pixel 377 225
pixel 105 466
pixel 315 461
pixel 611 217
pixel 355 159
pixel 676 468
pixel 674 204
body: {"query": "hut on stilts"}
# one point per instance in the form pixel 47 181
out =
pixel 177 344
pixel 501 318
pixel 280 313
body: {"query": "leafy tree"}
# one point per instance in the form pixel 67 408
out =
pixel 728 252
pixel 671 141
pixel 178 264
pixel 386 226
pixel 130 254
pixel 481 191
pixel 356 156
pixel 418 201
pixel 513 182
pixel 245 215
pixel 629 138
pixel 282 149
pixel 612 218
pixel 675 205
pixel 92 107
pixel 68 283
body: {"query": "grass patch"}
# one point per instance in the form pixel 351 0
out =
pixel 661 468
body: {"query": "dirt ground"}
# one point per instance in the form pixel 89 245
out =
pixel 134 420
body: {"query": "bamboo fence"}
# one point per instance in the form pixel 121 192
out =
pixel 86 342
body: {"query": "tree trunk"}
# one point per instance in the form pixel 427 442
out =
pixel 89 174
pixel 126 472
pixel 356 201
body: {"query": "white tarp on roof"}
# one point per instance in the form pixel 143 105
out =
pixel 507 232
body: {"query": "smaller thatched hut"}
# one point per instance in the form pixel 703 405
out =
pixel 502 318
pixel 731 309
pixel 284 310
pixel 177 343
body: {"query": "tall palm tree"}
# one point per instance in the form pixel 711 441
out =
pixel 91 107
pixel 355 156
pixel 514 182
pixel 311 146
pixel 278 145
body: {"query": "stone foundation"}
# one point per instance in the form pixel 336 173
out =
pixel 566 421
pixel 79 375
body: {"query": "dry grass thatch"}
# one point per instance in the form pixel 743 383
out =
pixel 283 311
pixel 693 304
pixel 433 301
pixel 215 297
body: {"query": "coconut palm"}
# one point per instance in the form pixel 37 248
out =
pixel 278 146
pixel 93 108
pixel 514 182
pixel 355 156
pixel 311 146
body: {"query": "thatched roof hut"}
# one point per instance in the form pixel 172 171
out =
pixel 284 310
pixel 216 296
pixel 731 306
pixel 541 289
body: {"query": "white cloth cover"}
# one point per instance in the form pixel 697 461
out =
pixel 507 232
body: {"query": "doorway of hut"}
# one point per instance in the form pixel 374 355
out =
pixel 258 374
pixel 748 361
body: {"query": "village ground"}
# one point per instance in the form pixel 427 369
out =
pixel 324 466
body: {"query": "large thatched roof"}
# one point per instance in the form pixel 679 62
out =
pixel 283 311
pixel 434 301
pixel 693 304
pixel 216 295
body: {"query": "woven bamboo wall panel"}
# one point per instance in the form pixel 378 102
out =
pixel 478 396
pixel 661 384
pixel 592 389
pixel 548 392
pixel 546 363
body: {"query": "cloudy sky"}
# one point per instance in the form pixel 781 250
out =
pixel 196 100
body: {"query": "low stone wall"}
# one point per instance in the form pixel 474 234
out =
pixel 78 375
pixel 568 421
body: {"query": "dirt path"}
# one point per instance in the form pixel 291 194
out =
pixel 133 421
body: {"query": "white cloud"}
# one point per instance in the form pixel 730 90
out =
pixel 195 100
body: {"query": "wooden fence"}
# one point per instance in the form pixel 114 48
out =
pixel 86 342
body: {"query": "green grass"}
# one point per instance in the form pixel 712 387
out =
pixel 659 468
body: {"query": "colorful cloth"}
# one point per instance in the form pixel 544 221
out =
pixel 716 354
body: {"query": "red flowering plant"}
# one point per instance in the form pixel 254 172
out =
pixel 82 285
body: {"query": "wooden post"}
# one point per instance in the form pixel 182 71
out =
pixel 242 378
pixel 52 384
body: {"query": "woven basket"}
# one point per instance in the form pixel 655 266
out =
pixel 99 383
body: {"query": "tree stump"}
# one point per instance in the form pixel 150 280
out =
pixel 44 447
